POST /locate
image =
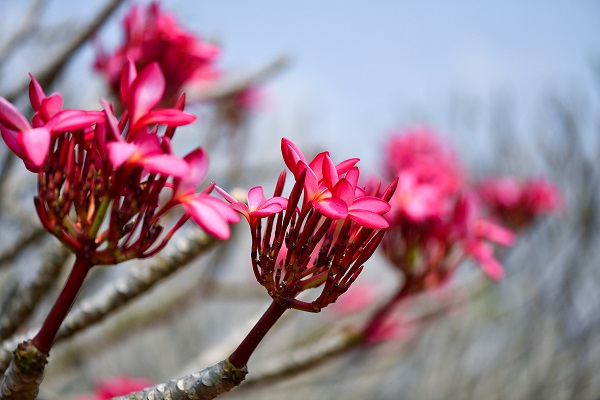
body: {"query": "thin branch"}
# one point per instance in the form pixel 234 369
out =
pixel 49 73
pixel 230 85
pixel 29 238
pixel 206 384
pixel 23 29
pixel 25 300
pixel 137 282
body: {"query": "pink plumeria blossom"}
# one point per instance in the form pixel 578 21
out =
pixel 304 242
pixel 152 35
pixel 517 203
pixel 102 178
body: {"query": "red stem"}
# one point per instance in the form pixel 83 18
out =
pixel 45 337
pixel 239 358
pixel 382 313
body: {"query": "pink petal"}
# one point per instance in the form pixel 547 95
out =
pixel 36 143
pixel 291 154
pixel 10 138
pixel 485 257
pixel 256 197
pixel 344 191
pixel 50 106
pixel 167 116
pixel 166 164
pixel 36 93
pixel 11 117
pixel 242 208
pixel 128 75
pixel 146 91
pixel 197 162
pixel 330 175
pixel 345 166
pixel 266 211
pixel 282 201
pixel 120 152
pixel 496 233
pixel 212 215
pixel 372 204
pixel 331 207
pixel 71 120
pixel 111 120
pixel 352 175
pixel 368 219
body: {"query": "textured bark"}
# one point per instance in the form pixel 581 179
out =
pixel 27 298
pixel 206 384
pixel 304 358
pixel 139 281
pixel 25 373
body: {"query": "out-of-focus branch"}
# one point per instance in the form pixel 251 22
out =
pixel 136 283
pixel 305 358
pixel 27 298
pixel 30 237
pixel 233 84
pixel 206 384
pixel 23 29
pixel 49 73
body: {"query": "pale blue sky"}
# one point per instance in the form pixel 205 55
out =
pixel 362 68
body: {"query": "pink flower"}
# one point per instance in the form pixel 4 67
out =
pixel 320 236
pixel 102 179
pixel 518 203
pixel 117 386
pixel 152 35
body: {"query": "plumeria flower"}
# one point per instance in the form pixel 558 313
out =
pixel 152 35
pixel 304 242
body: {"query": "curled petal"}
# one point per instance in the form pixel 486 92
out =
pixel 11 117
pixel 146 91
pixel 344 191
pixel 372 204
pixel 331 207
pixel 197 162
pixel 128 75
pixel 36 143
pixel 256 197
pixel 291 154
pixel 167 116
pixel 10 138
pixel 120 152
pixel 36 93
pixel 330 175
pixel 270 209
pixel 70 120
pixel 368 219
pixel 51 106
pixel 166 164
pixel 346 165
pixel 212 215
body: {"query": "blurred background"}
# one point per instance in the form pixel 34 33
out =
pixel 514 87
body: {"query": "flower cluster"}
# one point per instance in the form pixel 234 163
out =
pixel 517 203
pixel 435 222
pixel 152 35
pixel 102 181
pixel 321 235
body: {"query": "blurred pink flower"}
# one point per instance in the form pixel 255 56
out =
pixel 152 35
pixel 517 203
pixel 117 386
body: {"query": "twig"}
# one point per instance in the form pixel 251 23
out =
pixel 306 357
pixel 206 384
pixel 136 283
pixel 23 29
pixel 27 298
pixel 49 73
pixel 233 84
pixel 29 238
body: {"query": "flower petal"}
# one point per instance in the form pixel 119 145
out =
pixel 331 207
pixel 166 164
pixel 146 91
pixel 256 197
pixel 368 219
pixel 120 152
pixel 36 143
pixel 370 203
pixel 11 117
pixel 167 116
pixel 71 120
